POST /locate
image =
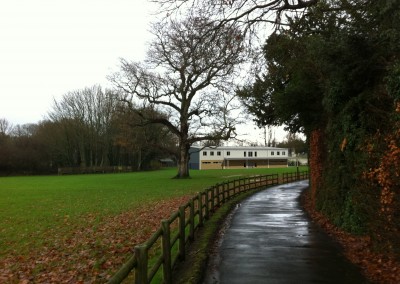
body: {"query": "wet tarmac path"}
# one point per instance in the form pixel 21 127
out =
pixel 270 239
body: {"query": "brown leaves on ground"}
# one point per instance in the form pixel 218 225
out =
pixel 88 254
pixel 378 268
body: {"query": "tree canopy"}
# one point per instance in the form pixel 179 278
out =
pixel 187 76
pixel 335 70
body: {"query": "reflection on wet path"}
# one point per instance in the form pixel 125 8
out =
pixel 271 240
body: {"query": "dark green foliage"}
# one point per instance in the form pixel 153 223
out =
pixel 356 107
pixel 337 68
pixel 290 93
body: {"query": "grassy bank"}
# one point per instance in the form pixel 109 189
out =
pixel 47 211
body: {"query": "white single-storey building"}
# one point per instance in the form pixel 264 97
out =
pixel 204 158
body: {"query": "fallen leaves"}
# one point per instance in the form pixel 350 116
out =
pixel 377 267
pixel 88 254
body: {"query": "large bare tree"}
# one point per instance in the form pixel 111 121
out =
pixel 189 77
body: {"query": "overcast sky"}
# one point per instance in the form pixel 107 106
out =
pixel 51 47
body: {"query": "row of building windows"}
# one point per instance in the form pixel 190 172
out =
pixel 228 153
pixel 250 153
pixel 277 153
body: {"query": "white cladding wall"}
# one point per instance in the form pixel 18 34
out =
pixel 219 154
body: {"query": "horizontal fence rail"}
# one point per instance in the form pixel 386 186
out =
pixel 190 216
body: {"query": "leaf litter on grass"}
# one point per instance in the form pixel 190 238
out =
pixel 89 254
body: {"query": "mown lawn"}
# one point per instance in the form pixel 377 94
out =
pixel 36 209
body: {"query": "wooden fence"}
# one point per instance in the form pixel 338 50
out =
pixel 294 176
pixel 177 231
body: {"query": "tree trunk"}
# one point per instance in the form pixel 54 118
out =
pixel 183 162
pixel 139 159
pixel 82 154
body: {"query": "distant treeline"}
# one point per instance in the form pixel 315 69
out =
pixel 93 170
pixel 88 128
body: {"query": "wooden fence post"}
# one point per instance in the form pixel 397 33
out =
pixel 142 263
pixel 207 201
pixel 166 249
pixel 218 199
pixel 182 237
pixel 200 209
pixel 191 218
pixel 223 193
pixel 212 198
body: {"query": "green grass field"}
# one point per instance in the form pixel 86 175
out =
pixel 35 207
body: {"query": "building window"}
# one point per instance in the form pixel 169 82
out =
pixel 283 153
pixel 212 153
pixel 272 153
pixel 204 153
pixel 228 153
pixel 278 153
pixel 250 154
pixel 244 154
pixel 218 153
pixel 255 154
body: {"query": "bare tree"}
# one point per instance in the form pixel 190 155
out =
pixel 86 116
pixel 144 142
pixel 188 76
pixel 256 19
pixel 243 12
pixel 5 126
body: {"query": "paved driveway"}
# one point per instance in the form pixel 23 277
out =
pixel 270 239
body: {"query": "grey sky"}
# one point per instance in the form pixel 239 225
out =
pixel 51 47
